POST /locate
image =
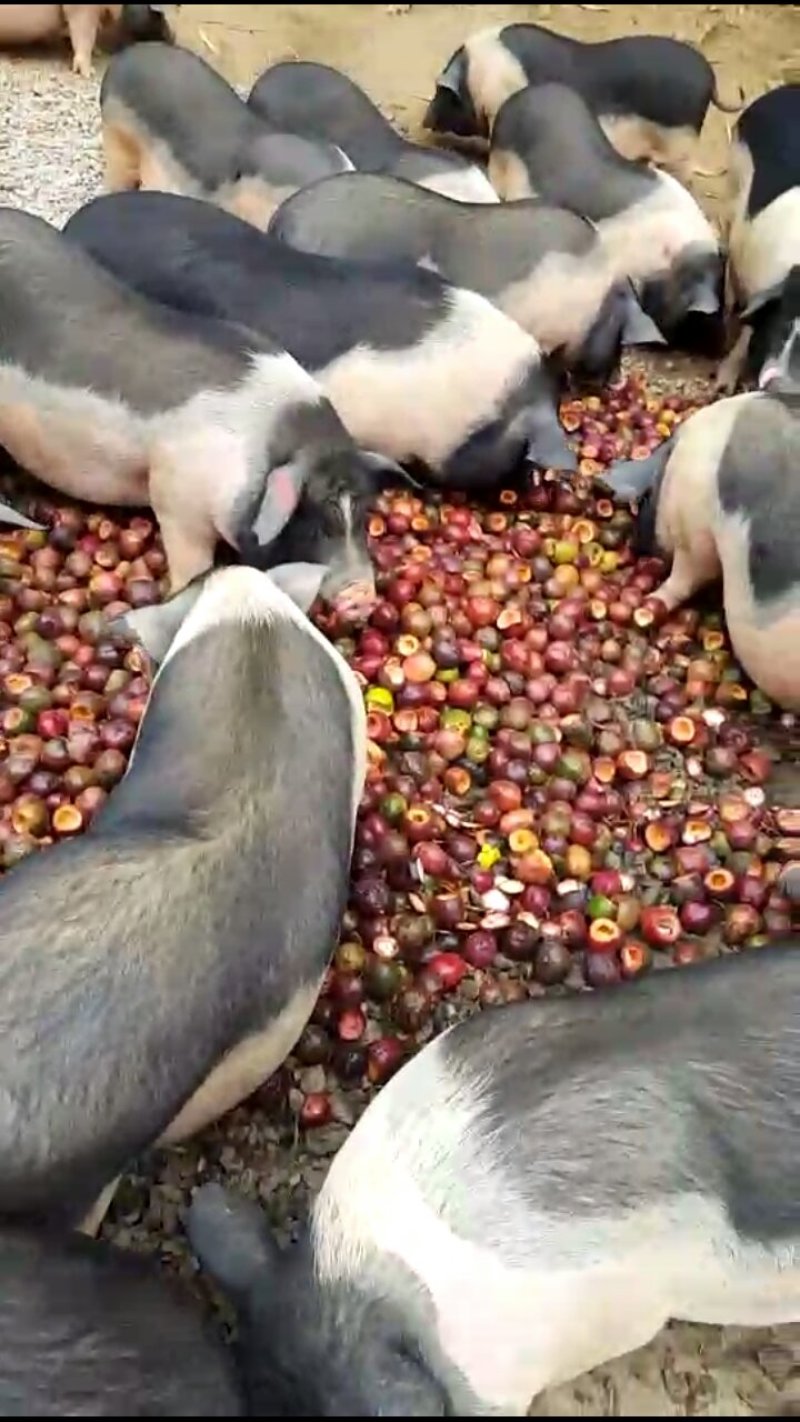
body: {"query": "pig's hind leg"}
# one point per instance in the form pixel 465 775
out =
pixel 82 23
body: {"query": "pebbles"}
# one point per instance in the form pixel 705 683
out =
pixel 50 156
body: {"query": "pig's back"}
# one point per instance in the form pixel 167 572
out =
pixel 206 893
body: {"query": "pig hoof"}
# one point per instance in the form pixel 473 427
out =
pixel 83 67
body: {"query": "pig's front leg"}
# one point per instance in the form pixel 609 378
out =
pixel 91 1223
pixel 692 569
pixel 82 22
pixel 730 370
pixel 181 482
pixel 189 550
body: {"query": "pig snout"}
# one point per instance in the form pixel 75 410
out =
pixel 352 599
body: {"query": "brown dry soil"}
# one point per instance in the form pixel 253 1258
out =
pixel 395 51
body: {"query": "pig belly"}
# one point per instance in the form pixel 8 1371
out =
pixel 769 654
pixel 25 24
pixel 244 1069
pixel 76 443
pixel 764 250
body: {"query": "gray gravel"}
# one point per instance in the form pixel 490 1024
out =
pixel 50 160
pixel 50 164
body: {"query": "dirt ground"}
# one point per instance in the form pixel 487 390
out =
pixel 395 52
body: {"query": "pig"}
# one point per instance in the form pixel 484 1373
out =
pixel 722 497
pixel 323 104
pixel 764 238
pixel 427 374
pixel 536 1192
pixel 546 142
pixel 110 397
pixel 92 1331
pixel 33 24
pixel 650 93
pixel 171 122
pixel 542 265
pixel 155 971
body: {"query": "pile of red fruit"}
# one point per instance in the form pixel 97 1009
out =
pixel 565 786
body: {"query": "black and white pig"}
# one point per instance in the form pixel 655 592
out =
pixel 172 123
pixel 92 1331
pixel 721 497
pixel 110 397
pixel 544 266
pixel 537 1192
pixel 764 239
pixel 547 143
pixel 650 93
pixel 155 971
pixel 325 105
pixel 126 24
pixel 417 369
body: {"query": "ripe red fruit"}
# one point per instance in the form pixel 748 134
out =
pixel 449 969
pixel 660 925
pixel 315 1110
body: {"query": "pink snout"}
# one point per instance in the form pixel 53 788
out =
pixel 355 602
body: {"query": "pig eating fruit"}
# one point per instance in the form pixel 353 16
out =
pixel 538 1191
pixel 547 143
pixel 650 93
pixel 172 123
pixel 542 265
pixel 722 496
pixel 155 971
pixel 32 24
pixel 764 240
pixel 417 369
pixel 110 397
pixel 92 1331
pixel 323 104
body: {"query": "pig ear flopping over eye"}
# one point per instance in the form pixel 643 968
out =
pixel 630 479
pixel 281 497
pixel 387 471
pixel 13 517
pixel 231 1239
pixel 760 300
pixel 300 581
pixel 155 628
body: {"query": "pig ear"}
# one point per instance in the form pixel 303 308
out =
pixel 388 471
pixel 632 478
pixel 762 299
pixel 281 497
pixel 155 628
pixel 300 581
pixel 12 516
pixel 451 75
pixel 639 328
pixel 230 1237
pixel 547 442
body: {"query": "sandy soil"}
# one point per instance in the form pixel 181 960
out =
pixel 49 162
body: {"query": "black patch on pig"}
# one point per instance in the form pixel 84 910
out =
pixel 599 1106
pixel 770 129
pixel 757 478
pixel 620 76
pixel 772 325
pixel 194 257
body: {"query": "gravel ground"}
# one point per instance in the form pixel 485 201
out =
pixel 50 164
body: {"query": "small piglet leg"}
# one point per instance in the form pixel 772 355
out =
pixel 92 1221
pixel 82 22
pixel 181 495
pixel 692 569
pixel 730 370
